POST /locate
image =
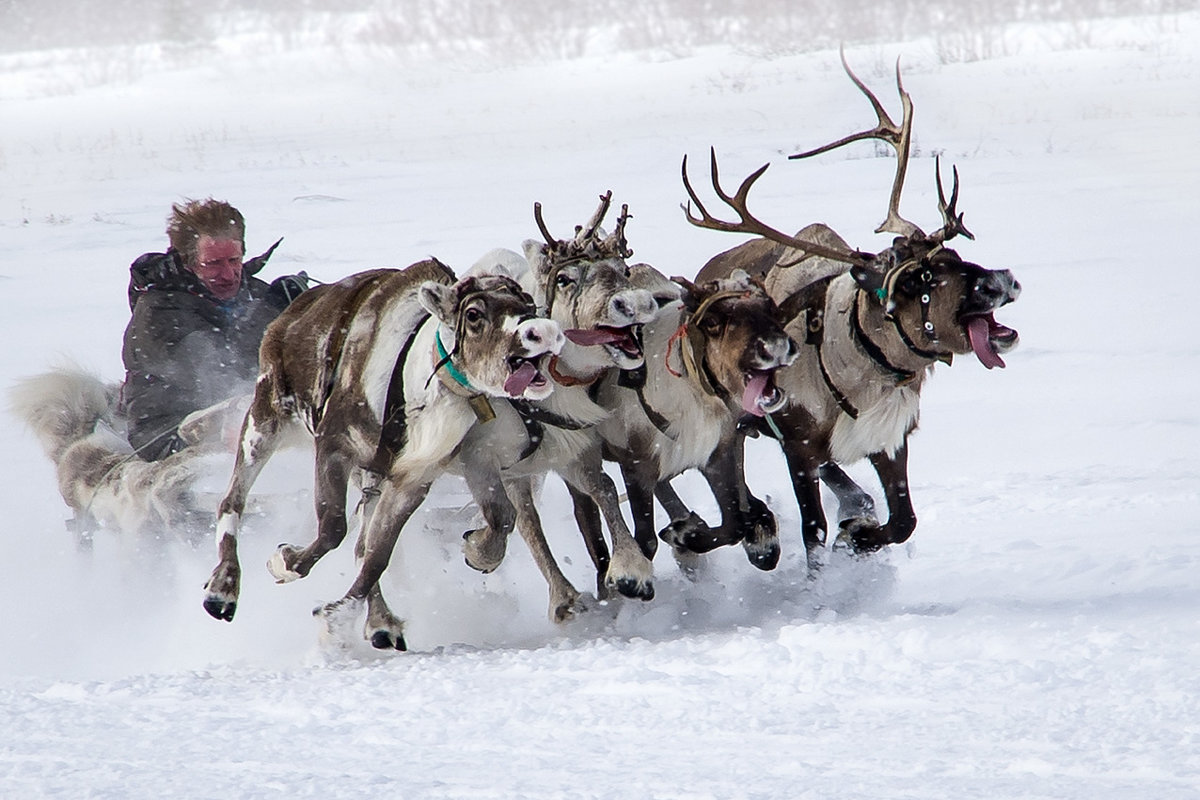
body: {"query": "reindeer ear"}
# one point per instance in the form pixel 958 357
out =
pixel 499 262
pixel 665 290
pixel 437 299
pixel 740 279
pixel 535 254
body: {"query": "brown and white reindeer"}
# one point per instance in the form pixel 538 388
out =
pixel 388 370
pixel 583 284
pixel 712 354
pixel 872 327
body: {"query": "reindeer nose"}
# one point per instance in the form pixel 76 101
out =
pixel 541 336
pixel 621 306
pixel 633 306
pixel 776 350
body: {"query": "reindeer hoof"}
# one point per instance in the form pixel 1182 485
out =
pixel 483 550
pixel 635 589
pixel 279 564
pixel 763 554
pixel 220 609
pixel 383 640
pixel 688 534
pixel 860 535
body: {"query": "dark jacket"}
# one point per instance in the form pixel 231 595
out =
pixel 184 349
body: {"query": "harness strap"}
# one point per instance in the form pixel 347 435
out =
pixel 567 380
pixel 636 379
pixel 535 417
pixel 810 301
pixel 873 350
pixel 394 431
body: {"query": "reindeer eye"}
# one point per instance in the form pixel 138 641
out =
pixel 562 281
pixel 711 325
pixel 473 315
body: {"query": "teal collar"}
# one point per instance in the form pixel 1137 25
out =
pixel 444 361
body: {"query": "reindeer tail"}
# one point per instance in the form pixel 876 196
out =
pixel 62 406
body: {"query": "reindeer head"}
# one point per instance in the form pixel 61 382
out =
pixel 732 341
pixel 938 303
pixel 584 285
pixel 490 339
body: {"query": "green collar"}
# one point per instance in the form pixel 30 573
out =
pixel 444 361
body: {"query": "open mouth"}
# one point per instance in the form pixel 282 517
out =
pixel 989 338
pixel 626 341
pixel 524 373
pixel 761 395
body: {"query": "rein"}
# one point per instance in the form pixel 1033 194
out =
pixel 691 338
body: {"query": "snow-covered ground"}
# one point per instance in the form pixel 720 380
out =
pixel 1040 636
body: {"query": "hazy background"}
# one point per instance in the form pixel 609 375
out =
pixel 553 28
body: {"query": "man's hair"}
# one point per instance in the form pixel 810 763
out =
pixel 195 218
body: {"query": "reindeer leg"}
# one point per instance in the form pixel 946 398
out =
pixel 484 548
pixel 629 571
pixel 333 477
pixel 259 438
pixel 398 500
pixel 856 508
pixel 902 520
pixel 804 463
pixel 745 518
pixel 564 599
pixel 587 517
pixel 640 479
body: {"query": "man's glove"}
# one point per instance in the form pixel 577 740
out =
pixel 286 288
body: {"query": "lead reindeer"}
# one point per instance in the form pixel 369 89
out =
pixel 872 327
pixel 388 370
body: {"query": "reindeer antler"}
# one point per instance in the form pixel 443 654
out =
pixel 586 243
pixel 900 138
pixel 885 130
pixel 952 221
pixel 747 222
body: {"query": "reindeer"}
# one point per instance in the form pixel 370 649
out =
pixel 711 358
pixel 873 326
pixel 584 285
pixel 388 370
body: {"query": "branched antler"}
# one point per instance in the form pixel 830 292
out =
pixel 885 130
pixel 900 138
pixel 747 222
pixel 952 221
pixel 586 243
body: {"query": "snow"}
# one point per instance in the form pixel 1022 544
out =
pixel 1038 638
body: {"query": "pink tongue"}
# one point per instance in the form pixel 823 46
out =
pixel 519 381
pixel 979 330
pixel 593 336
pixel 754 390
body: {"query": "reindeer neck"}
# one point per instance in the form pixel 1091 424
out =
pixel 669 387
pixel 574 366
pixel 454 381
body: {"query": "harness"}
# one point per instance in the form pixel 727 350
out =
pixel 691 338
pixel 810 301
pixel 925 287
pixel 535 417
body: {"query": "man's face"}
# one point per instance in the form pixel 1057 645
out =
pixel 219 266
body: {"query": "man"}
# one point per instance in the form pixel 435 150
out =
pixel 198 318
